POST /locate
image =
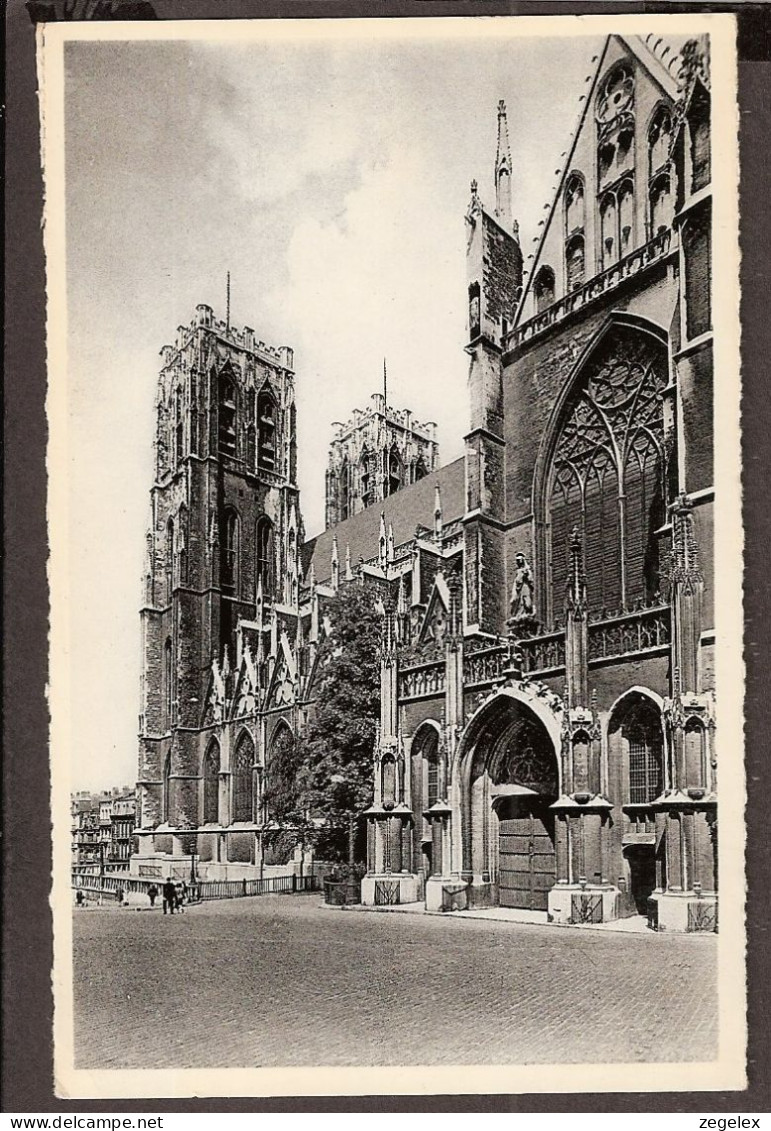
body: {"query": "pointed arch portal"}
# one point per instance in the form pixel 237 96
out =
pixel 509 780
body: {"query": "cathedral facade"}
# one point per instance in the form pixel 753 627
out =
pixel 547 737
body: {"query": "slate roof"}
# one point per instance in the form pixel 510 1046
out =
pixel 411 507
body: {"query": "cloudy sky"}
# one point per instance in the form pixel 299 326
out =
pixel 330 176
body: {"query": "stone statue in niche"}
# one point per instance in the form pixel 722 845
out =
pixel 522 604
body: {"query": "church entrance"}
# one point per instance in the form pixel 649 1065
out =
pixel 642 875
pixel 512 781
pixel 526 862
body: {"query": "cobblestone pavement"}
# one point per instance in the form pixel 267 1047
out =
pixel 283 980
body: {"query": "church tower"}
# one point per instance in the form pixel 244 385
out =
pixel 379 451
pixel 222 540
pixel 494 267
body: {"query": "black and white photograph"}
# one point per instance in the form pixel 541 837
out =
pixel 395 555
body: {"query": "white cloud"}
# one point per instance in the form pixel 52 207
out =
pixel 384 278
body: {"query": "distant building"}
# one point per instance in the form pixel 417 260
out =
pixel 122 819
pixel 101 826
pixel 378 452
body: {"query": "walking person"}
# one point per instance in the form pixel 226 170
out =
pixel 152 892
pixel 169 897
pixel 79 897
pixel 179 895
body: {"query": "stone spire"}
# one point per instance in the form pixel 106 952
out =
pixel 383 543
pixel 503 171
pixel 437 514
pixel 335 575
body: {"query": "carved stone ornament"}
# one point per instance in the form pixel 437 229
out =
pixel 522 604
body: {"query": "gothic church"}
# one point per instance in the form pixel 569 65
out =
pixel 547 737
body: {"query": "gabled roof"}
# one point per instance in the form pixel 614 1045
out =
pixel 652 61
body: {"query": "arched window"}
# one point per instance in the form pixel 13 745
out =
pixel 395 471
pixel 426 764
pixel 169 560
pixel 230 551
pixel 698 115
pixel 180 429
pixel 266 426
pixel 265 554
pixel 574 205
pixel 211 784
pixel 421 471
pixel 544 288
pixel 345 490
pixel 575 261
pixel 168 682
pixel 291 568
pixel 659 141
pixel 366 484
pixel 243 762
pixel 166 790
pixel 182 536
pixel 474 311
pixel 636 735
pixel 662 205
pixel 645 760
pixel 607 473
pixel 280 777
pixel 227 416
pixel 608 225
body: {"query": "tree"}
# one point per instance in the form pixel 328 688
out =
pixel 335 753
pixel 284 797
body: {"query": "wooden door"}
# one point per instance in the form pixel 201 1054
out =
pixel 527 867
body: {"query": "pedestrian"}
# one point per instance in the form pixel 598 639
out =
pixel 179 895
pixel 119 895
pixel 152 891
pixel 169 897
pixel 79 897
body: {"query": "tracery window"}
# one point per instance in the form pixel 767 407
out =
pixel 230 550
pixel 421 471
pixel 266 425
pixel 345 490
pixel 182 536
pixel 659 141
pixel 395 473
pixel 243 762
pixel 366 485
pixel 607 474
pixel 180 429
pixel 211 784
pixel 615 124
pixel 169 560
pixel 227 416
pixel 166 789
pixel 168 682
pixel 265 554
